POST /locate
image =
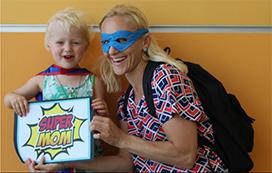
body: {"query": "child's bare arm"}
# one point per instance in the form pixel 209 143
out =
pixel 99 88
pixel 18 99
pixel 99 104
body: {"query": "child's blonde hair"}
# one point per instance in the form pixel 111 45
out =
pixel 68 19
pixel 155 53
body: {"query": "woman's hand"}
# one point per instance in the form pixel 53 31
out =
pixel 108 131
pixel 100 106
pixel 18 103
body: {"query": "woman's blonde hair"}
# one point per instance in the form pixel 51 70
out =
pixel 68 19
pixel 155 53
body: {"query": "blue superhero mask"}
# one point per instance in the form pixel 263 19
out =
pixel 120 40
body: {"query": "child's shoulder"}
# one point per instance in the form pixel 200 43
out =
pixel 37 79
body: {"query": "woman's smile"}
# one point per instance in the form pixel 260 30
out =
pixel 118 60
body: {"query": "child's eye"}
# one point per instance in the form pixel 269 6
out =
pixel 59 42
pixel 105 41
pixel 76 42
pixel 121 40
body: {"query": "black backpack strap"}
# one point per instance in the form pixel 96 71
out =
pixel 126 99
pixel 147 88
pixel 147 79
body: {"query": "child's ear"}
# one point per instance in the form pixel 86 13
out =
pixel 47 47
pixel 87 44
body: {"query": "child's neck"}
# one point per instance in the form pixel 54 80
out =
pixel 70 81
pixel 75 67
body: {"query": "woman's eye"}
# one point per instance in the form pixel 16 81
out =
pixel 76 43
pixel 121 40
pixel 105 41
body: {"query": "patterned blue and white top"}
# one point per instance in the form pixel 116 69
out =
pixel 173 93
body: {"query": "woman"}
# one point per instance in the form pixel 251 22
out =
pixel 164 142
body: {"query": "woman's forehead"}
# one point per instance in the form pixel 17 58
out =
pixel 115 23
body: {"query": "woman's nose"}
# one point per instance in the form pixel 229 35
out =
pixel 112 50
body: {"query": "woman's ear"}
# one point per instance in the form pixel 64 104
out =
pixel 147 40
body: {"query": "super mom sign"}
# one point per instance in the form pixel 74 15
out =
pixel 58 130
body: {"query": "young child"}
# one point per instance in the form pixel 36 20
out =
pixel 67 39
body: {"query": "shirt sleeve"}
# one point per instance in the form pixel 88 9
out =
pixel 175 94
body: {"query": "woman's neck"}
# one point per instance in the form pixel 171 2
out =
pixel 135 78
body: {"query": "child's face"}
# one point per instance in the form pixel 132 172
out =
pixel 67 48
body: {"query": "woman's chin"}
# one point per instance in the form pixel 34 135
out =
pixel 119 72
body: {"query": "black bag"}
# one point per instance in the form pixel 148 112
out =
pixel 233 131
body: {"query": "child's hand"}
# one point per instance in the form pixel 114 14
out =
pixel 100 106
pixel 30 165
pixel 18 103
pixel 42 167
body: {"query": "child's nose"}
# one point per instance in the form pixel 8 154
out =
pixel 68 47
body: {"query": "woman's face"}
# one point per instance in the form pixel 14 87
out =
pixel 123 61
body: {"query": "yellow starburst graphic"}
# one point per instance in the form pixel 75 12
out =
pixel 56 131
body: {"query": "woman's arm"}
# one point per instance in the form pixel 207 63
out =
pixel 118 163
pixel 180 150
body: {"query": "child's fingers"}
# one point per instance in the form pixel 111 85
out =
pixel 101 111
pixel 20 107
pixel 17 109
pixel 40 165
pixel 25 103
pixel 95 103
pixel 101 106
pixel 97 100
pixel 30 165
pixel 23 108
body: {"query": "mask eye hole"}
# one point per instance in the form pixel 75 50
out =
pixel 122 40
pixel 105 41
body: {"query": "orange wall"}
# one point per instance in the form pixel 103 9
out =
pixel 241 61
pixel 166 12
